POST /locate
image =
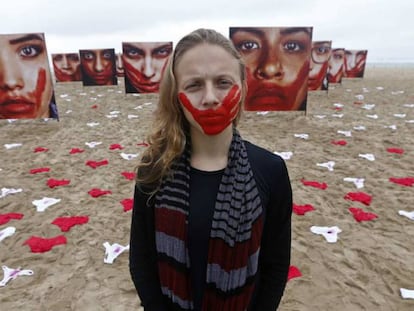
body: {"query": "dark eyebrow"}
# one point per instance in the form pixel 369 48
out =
pixel 130 46
pixel 26 38
pixel 162 47
pixel 253 30
pixel 322 42
pixel 290 30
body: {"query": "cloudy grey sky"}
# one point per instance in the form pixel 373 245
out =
pixel 384 27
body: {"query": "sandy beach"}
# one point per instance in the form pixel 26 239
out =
pixel 363 270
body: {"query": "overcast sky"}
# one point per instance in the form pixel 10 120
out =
pixel 384 27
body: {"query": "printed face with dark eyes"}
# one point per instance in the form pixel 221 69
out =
pixel 66 67
pixel 25 83
pixel 321 51
pixel 277 62
pixel 98 66
pixel 336 65
pixel 144 64
pixel 355 63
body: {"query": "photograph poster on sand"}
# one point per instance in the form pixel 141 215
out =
pixel 277 64
pixel 354 64
pixel 66 67
pixel 319 62
pixel 120 72
pixel 336 65
pixel 98 67
pixel 144 64
pixel 26 87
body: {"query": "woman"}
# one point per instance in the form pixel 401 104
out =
pixel 211 219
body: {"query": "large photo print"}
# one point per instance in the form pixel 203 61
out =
pixel 277 63
pixel 26 87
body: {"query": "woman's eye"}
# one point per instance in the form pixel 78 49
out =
pixel 164 52
pixel 224 83
pixel 322 50
pixel 30 51
pixel 192 86
pixel 248 46
pixel 88 56
pixel 292 46
pixel 107 55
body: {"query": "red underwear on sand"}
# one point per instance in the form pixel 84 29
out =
pixel 5 218
pixel 41 245
pixel 315 184
pixel 361 215
pixel 65 223
pixel 359 196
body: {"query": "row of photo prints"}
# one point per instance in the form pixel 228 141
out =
pixel 282 65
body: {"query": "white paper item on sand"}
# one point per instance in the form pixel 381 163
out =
pixel 368 156
pixel 368 106
pixel 129 156
pixel 92 124
pixel 345 133
pixel 5 233
pixel 286 155
pixel 11 274
pixel 359 97
pixel 360 128
pixel 13 145
pixel 262 113
pixel 336 115
pixel 7 191
pixel 44 203
pixel 329 165
pixel 303 136
pixel 392 126
pixel 329 233
pixel 358 182
pixel 409 215
pixel 113 251
pixel 407 293
pixel 372 116
pixel 400 115
pixel 93 144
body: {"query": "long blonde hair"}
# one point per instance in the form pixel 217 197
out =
pixel 170 127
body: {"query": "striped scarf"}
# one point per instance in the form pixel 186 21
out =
pixel 235 235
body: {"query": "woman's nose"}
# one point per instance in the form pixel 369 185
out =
pixel 270 66
pixel 98 67
pixel 210 98
pixel 10 75
pixel 148 70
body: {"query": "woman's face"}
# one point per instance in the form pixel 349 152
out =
pixel 25 83
pixel 66 67
pixel 277 61
pixel 209 88
pixel 336 65
pixel 355 63
pixel 144 64
pixel 321 51
pixel 119 65
pixel 98 65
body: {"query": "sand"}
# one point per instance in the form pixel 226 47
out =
pixel 363 270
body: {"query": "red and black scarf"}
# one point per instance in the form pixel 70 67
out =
pixel 235 235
